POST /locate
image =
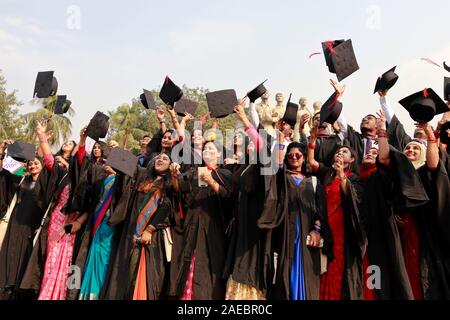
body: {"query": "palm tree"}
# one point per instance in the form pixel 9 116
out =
pixel 60 125
pixel 124 120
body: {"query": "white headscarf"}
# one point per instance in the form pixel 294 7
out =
pixel 423 154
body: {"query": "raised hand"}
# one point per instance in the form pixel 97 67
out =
pixel 304 119
pixel 340 89
pixel 381 120
pixel 160 113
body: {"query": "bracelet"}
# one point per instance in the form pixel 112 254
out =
pixel 317 228
pixel 281 146
pixel 432 140
pixel 312 146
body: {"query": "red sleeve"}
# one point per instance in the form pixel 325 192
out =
pixel 80 154
pixel 49 161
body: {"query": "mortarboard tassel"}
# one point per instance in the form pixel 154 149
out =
pixel 313 54
pixel 329 45
pixel 425 93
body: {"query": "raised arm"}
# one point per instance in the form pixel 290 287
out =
pixel 249 128
pixel 81 152
pixel 385 106
pixel 44 145
pixel 161 119
pixel 383 144
pixel 432 146
pixel 311 147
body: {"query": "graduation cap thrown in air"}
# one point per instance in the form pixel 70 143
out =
pixel 98 126
pixel 221 103
pixel 447 89
pixel 340 58
pixel 386 81
pixel 170 92
pixel 290 115
pixel 123 161
pixel 424 105
pixel 330 110
pixel 22 151
pixel 256 93
pixel 147 100
pixel 184 106
pixel 62 104
pixel 46 85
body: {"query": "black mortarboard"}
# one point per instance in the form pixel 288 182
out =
pixel 184 106
pixel 170 92
pixel 446 88
pixel 22 151
pixel 123 161
pixel 386 81
pixel 330 110
pixel 340 58
pixel 290 115
pixel 328 50
pixel 446 67
pixel 62 104
pixel 424 105
pixel 98 126
pixel 46 85
pixel 147 100
pixel 257 92
pixel 221 103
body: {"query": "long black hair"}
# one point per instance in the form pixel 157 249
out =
pixel 353 167
pixel 104 149
pixel 303 150
pixel 61 152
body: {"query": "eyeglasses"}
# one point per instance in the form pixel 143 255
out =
pixel 296 156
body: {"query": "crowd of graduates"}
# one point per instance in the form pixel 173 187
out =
pixel 335 214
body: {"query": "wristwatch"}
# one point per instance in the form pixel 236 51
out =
pixel 281 146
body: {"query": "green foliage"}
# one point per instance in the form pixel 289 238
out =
pixel 11 124
pixel 60 125
pixel 128 124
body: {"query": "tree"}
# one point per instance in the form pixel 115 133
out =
pixel 124 125
pixel 129 124
pixel 60 125
pixel 10 121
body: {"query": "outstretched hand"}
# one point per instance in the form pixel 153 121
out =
pixel 340 89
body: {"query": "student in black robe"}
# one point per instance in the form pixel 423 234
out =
pixel 295 209
pixel 343 279
pixel 140 270
pixel 24 220
pixel 420 235
pixel 197 272
pixel 244 265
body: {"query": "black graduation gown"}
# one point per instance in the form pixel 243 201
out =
pixel 17 244
pixel 120 283
pixel 51 184
pixel 355 237
pixel 434 226
pixel 204 226
pixel 397 136
pixel 325 148
pixel 245 258
pixel 355 140
pixel 385 192
pixel 284 203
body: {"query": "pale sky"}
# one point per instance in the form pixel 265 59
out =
pixel 104 52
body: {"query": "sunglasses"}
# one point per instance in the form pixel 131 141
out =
pixel 296 156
